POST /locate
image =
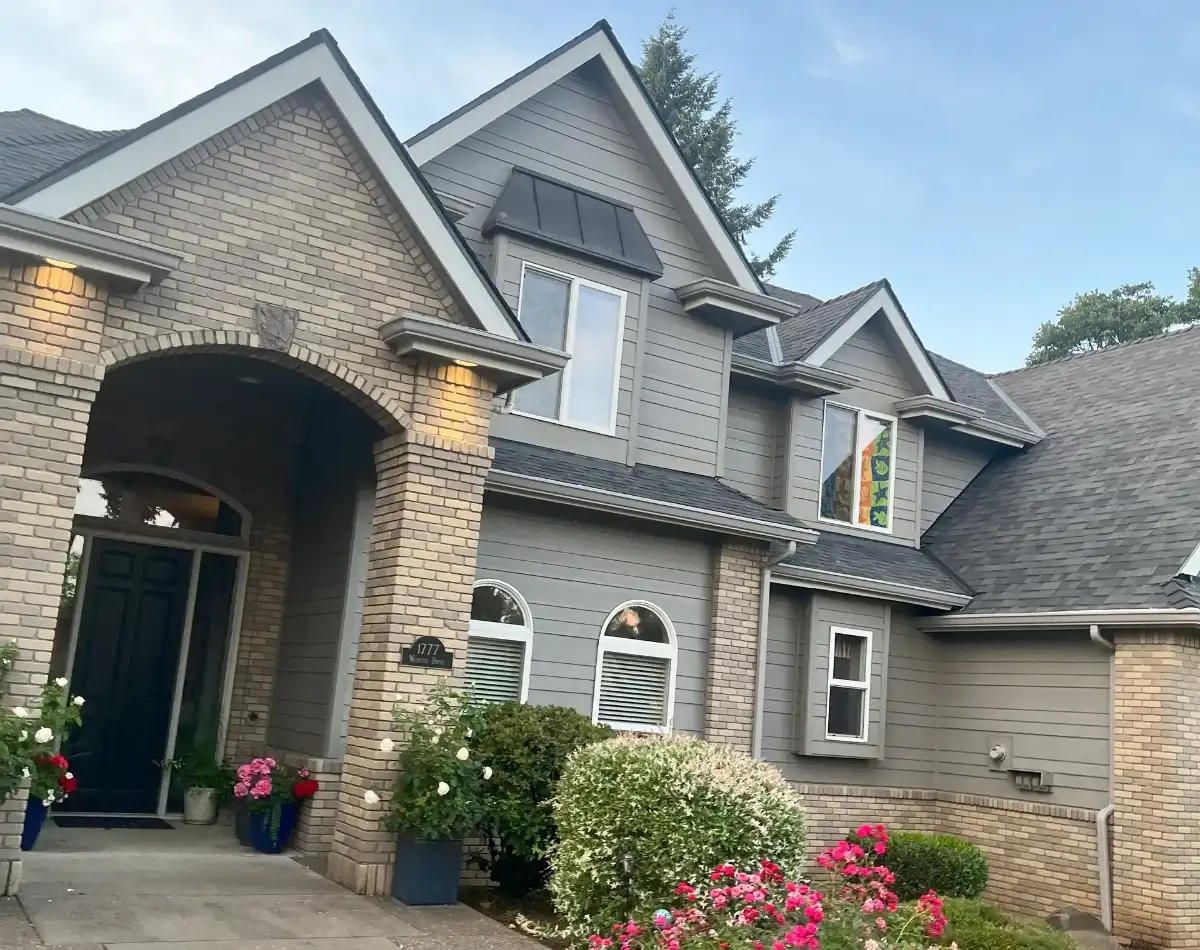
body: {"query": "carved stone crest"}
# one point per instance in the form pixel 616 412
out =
pixel 276 325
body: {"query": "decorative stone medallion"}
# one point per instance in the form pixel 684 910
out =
pixel 276 325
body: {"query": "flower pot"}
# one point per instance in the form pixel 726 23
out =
pixel 270 830
pixel 35 817
pixel 241 822
pixel 199 806
pixel 427 871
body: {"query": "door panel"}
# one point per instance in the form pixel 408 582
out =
pixel 125 664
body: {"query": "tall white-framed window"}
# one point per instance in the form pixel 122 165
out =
pixel 848 694
pixel 586 320
pixel 499 644
pixel 636 664
pixel 858 454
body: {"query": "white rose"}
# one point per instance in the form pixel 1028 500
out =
pixel 470 732
pixel 78 700
pixel 20 712
pixel 462 754
pixel 61 682
pixel 24 734
pixel 370 797
pixel 487 771
pixel 24 773
pixel 68 775
pixel 43 735
pixel 387 745
pixel 443 788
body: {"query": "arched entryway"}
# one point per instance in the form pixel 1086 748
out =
pixel 218 550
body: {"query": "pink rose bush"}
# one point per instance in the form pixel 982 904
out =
pixel 854 908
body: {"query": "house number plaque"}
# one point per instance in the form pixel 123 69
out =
pixel 429 652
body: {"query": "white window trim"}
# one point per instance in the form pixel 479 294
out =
pixel 572 309
pixel 861 413
pixel 864 685
pixel 489 630
pixel 668 650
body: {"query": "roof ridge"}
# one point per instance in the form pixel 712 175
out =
pixel 1126 344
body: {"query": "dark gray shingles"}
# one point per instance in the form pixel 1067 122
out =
pixel 971 388
pixel 1102 512
pixel 643 481
pixel 876 560
pixel 800 335
pixel 32 145
pixel 801 300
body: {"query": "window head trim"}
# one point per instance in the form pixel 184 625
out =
pixel 668 651
pixel 860 414
pixel 522 633
pixel 863 685
pixel 575 283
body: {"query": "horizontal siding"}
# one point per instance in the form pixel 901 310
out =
pixel 867 355
pixel 1050 693
pixel 574 571
pixel 752 435
pixel 949 466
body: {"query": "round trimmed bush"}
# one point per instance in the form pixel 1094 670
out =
pixel 637 815
pixel 973 925
pixel 950 866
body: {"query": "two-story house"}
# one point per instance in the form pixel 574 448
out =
pixel 283 394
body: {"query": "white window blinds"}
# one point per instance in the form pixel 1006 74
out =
pixel 633 690
pixel 495 669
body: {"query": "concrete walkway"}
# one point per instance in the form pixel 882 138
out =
pixel 125 897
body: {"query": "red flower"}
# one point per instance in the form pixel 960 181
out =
pixel 68 784
pixel 305 788
pixel 58 761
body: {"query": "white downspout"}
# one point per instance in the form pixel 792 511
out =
pixel 760 677
pixel 1102 845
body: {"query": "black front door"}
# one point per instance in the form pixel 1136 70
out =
pixel 125 662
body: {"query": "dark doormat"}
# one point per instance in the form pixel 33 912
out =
pixel 108 823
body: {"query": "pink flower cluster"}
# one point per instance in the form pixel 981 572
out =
pixel 254 778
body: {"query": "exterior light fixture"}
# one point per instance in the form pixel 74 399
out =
pixel 469 364
pixel 55 262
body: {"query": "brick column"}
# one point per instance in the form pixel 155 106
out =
pixel 45 402
pixel 428 501
pixel 733 644
pixel 1156 789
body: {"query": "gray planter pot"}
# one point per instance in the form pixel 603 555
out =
pixel 199 806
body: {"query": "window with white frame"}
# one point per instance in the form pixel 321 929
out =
pixel 857 467
pixel 635 669
pixel 499 644
pixel 849 694
pixel 586 320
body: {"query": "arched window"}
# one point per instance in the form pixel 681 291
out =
pixel 140 497
pixel 635 669
pixel 499 644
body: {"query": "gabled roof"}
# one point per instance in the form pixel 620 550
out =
pixel 32 144
pixel 973 388
pixel 597 43
pixel 316 60
pixel 1101 514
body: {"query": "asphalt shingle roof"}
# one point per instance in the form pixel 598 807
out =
pixel 1102 512
pixel 643 481
pixel 876 560
pixel 32 145
pixel 972 388
pixel 800 335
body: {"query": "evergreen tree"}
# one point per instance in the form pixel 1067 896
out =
pixel 705 130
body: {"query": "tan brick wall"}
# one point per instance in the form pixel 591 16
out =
pixel 1156 789
pixel 1041 857
pixel 733 644
pixel 318 815
pixel 51 311
pixel 44 406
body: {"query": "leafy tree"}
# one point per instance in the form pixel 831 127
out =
pixel 705 129
pixel 1095 320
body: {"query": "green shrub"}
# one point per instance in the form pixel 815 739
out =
pixel 676 807
pixel 974 925
pixel 950 866
pixel 527 747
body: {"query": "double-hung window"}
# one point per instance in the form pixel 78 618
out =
pixel 586 320
pixel 857 468
pixel 848 697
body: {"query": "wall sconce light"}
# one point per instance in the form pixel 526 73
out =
pixel 55 262
pixel 469 364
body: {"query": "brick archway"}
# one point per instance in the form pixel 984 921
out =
pixel 374 401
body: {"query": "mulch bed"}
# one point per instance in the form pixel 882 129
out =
pixel 535 907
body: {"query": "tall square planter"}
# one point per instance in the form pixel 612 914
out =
pixel 426 872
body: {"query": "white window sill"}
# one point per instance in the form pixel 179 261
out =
pixel 869 529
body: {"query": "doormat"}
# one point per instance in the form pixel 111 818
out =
pixel 109 823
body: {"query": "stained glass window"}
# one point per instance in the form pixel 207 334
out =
pixel 856 468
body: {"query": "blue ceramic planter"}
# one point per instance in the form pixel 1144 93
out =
pixel 35 817
pixel 267 839
pixel 427 871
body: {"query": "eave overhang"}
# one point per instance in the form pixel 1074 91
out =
pixel 732 307
pixel 796 376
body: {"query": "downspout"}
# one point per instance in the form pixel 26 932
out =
pixel 760 677
pixel 1102 816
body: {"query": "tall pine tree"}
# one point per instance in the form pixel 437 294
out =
pixel 705 130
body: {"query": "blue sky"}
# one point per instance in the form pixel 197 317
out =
pixel 990 159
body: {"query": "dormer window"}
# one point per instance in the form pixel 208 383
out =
pixel 857 466
pixel 586 320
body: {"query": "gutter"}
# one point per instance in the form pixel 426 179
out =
pixel 869 587
pixel 760 674
pixel 1135 617
pixel 1103 864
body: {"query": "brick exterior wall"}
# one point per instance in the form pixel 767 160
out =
pixel 733 644
pixel 318 815
pixel 1156 871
